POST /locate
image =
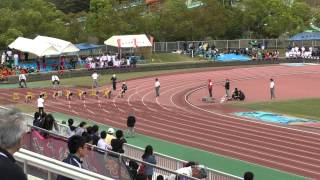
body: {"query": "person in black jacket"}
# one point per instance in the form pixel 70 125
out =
pixel 131 121
pixel 10 143
pixel 77 150
pixel 117 144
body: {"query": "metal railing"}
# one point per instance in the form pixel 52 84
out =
pixel 50 168
pixel 232 44
pixel 166 165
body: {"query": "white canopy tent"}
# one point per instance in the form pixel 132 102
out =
pixel 128 41
pixel 33 47
pixel 61 45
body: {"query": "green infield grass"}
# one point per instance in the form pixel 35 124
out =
pixel 304 108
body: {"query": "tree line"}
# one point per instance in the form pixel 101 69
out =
pixel 171 21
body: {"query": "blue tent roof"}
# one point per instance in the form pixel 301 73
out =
pixel 86 46
pixel 305 36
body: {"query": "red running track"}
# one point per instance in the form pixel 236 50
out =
pixel 178 115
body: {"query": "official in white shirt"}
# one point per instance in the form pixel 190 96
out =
pixel 95 77
pixel 272 89
pixel 157 87
pixel 55 81
pixel 40 103
pixel 22 79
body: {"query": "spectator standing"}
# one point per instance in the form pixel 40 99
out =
pixel 55 80
pixel 131 121
pixel 12 127
pixel 22 79
pixel 110 136
pixel 227 88
pixel 71 129
pixel 3 58
pixel 117 144
pixel 114 82
pixel 157 87
pixel 40 103
pixel 272 89
pixel 16 59
pixel 77 150
pixel 149 158
pixel 95 77
pixel 210 84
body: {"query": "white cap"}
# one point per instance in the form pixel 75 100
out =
pixel 111 130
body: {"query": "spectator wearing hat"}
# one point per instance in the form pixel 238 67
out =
pixel 110 136
pixel 193 171
pixel 12 128
pixel 131 121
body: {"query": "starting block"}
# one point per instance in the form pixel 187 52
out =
pixel 15 97
pixel 208 99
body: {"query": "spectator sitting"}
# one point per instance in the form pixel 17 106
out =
pixel 36 119
pixel 160 177
pixel 81 128
pixel 110 136
pixel 72 129
pixel 235 94
pixel 133 169
pixel 94 134
pixel 117 144
pixel 248 176
pixel 12 127
pixel 77 150
pixel 48 123
pixel 102 144
pixel 193 171
pixel 241 96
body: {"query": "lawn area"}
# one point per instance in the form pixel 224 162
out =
pixel 304 108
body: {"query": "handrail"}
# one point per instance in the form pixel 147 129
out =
pixel 55 166
pixel 134 147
